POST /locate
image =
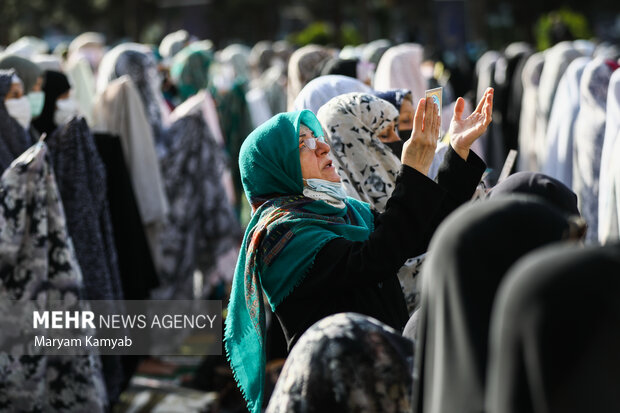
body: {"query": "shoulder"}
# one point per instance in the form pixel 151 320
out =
pixel 360 209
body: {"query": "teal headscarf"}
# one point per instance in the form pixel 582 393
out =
pixel 190 69
pixel 282 239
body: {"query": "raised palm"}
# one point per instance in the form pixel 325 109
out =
pixel 464 132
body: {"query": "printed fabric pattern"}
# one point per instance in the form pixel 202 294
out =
pixel 201 225
pixel 38 262
pixel 81 180
pixel 366 166
pixel 346 363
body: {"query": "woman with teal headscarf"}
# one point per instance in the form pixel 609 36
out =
pixel 190 68
pixel 313 251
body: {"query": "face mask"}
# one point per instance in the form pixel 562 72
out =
pixel 224 79
pixel 37 100
pixel 333 189
pixel 65 110
pixel 404 134
pixel 19 109
pixel 93 55
pixel 395 147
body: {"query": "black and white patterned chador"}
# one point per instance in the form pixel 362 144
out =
pixel 38 262
pixel 346 363
pixel 367 167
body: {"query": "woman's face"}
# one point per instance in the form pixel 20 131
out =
pixel 64 96
pixel 38 85
pixel 388 134
pixel 315 164
pixel 15 92
pixel 405 118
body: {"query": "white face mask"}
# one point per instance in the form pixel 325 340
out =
pixel 334 189
pixel 19 109
pixel 65 110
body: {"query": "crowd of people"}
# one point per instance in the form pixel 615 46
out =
pixel 369 252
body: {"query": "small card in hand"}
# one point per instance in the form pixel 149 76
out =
pixel 435 95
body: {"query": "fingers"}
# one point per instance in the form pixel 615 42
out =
pixel 418 119
pixel 419 151
pixel 488 108
pixel 429 112
pixel 459 108
pixel 431 118
pixel 436 124
pixel 479 108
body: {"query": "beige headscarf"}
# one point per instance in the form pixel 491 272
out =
pixel 305 64
pixel 119 111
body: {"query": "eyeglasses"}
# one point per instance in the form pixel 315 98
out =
pixel 311 143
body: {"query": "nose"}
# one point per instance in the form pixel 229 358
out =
pixel 322 148
pixel 393 136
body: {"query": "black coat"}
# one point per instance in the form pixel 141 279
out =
pixel 467 260
pixel 361 277
pixel 555 333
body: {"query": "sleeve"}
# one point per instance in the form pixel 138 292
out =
pixel 413 213
pixel 460 177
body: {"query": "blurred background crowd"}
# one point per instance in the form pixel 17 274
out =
pixel 142 106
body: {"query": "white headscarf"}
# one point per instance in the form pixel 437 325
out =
pixel 320 90
pixel 609 194
pixel 589 136
pixel 238 57
pixel 173 43
pixel 399 68
pixel 558 162
pixel 367 167
pixel 27 47
pixel 89 46
pixel 557 60
pixel 81 76
pixel 529 103
pixel 47 62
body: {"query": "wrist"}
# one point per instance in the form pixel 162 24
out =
pixel 423 169
pixel 462 152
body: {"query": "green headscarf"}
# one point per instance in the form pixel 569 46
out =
pixel 190 69
pixel 236 123
pixel 282 239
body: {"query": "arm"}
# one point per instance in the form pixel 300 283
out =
pixel 401 232
pixel 345 273
pixel 413 212
pixel 417 205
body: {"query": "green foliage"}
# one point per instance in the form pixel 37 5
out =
pixel 323 33
pixel 350 35
pixel 576 24
pixel 316 33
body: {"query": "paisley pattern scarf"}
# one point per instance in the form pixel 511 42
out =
pixel 286 232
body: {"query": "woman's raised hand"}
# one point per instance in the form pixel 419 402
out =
pixel 419 149
pixel 464 132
